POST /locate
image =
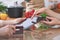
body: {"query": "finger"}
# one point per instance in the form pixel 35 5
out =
pixel 37 15
pixel 11 32
pixel 46 22
pixel 50 18
pixel 40 10
pixel 13 28
pixel 23 18
pixel 20 19
pixel 8 31
pixel 33 14
pixel 47 19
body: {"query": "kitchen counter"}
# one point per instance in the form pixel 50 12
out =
pixel 49 34
pixel 13 37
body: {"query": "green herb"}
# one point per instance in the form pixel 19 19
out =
pixel 43 15
pixel 43 26
pixel 2 7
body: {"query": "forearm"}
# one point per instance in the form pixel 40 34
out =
pixel 52 13
pixel 37 5
pixel 6 22
pixel 1 23
pixel 41 10
pixel 58 23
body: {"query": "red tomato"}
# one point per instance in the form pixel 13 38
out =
pixel 58 5
pixel 29 14
pixel 32 12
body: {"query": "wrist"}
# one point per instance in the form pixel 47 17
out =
pixel 10 22
pixel 58 23
pixel 5 22
pixel 1 23
pixel 44 9
pixel 41 10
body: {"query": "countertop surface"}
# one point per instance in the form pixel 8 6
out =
pixel 50 34
pixel 13 37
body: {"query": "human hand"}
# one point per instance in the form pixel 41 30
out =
pixel 12 22
pixel 7 30
pixel 53 21
pixel 18 20
pixel 38 12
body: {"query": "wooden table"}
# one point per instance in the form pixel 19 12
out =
pixel 49 34
pixel 13 37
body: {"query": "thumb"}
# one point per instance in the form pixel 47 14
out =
pixel 50 18
pixel 46 22
pixel 23 18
